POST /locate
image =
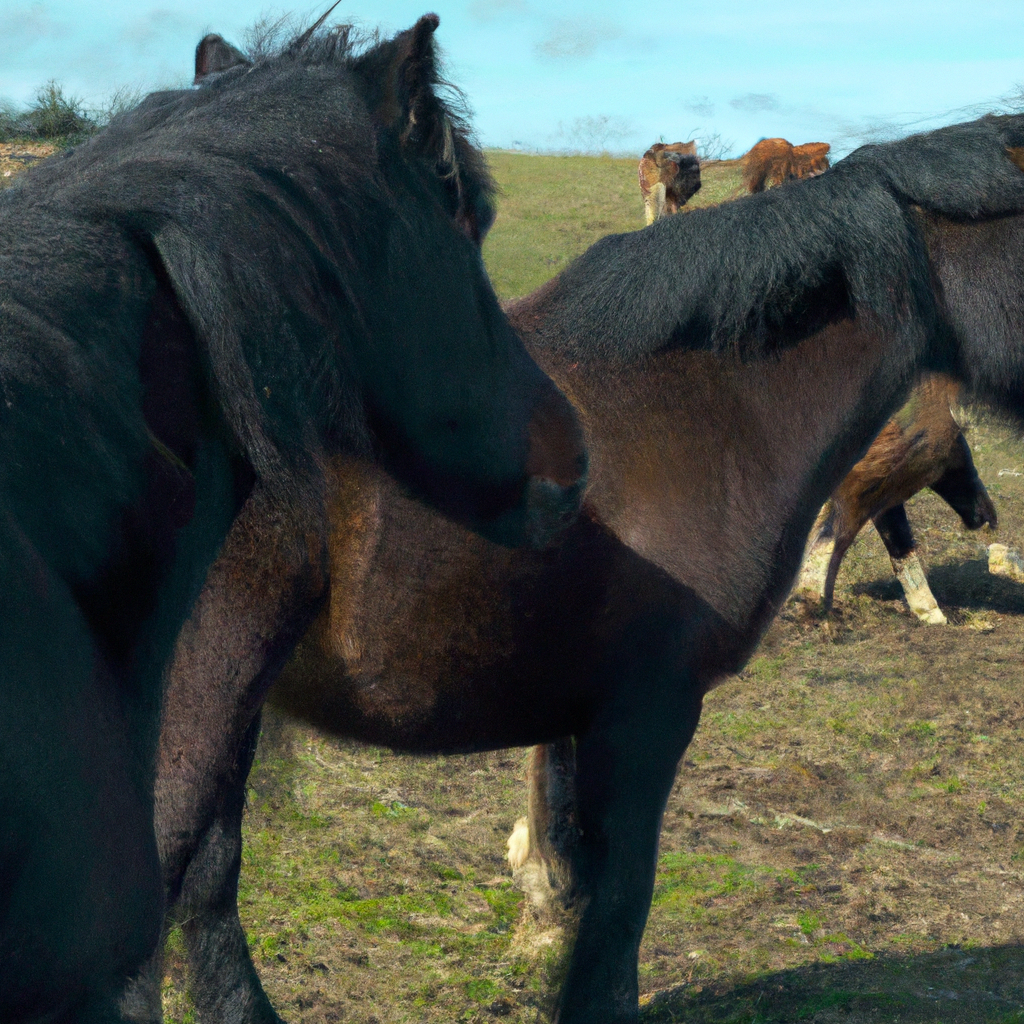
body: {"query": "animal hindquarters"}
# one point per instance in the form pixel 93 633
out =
pixel 921 446
pixel 766 164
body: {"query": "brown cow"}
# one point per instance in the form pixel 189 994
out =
pixel 921 446
pixel 669 175
pixel 810 159
pixel 770 162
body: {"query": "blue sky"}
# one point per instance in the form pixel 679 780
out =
pixel 588 74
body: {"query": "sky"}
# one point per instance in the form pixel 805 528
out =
pixel 590 75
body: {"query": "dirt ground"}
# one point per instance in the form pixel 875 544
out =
pixel 16 156
pixel 844 841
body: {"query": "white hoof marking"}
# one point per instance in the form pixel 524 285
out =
pixel 519 844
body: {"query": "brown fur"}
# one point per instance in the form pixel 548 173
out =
pixel 921 446
pixel 771 162
pixel 666 183
pixel 444 641
pixel 809 159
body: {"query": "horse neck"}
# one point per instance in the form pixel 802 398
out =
pixel 981 273
pixel 714 469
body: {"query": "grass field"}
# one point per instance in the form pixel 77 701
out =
pixel 844 842
pixel 551 208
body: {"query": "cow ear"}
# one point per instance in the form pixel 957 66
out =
pixel 214 55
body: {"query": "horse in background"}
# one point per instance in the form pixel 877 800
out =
pixel 922 446
pixel 669 176
pixel 199 307
pixel 771 162
pixel 603 645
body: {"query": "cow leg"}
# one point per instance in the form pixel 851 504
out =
pixel 259 598
pixel 894 529
pixel 626 765
pixel 654 203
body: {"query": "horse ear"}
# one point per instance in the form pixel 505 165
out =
pixel 214 55
pixel 414 71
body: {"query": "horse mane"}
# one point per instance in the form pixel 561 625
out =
pixel 751 275
pixel 961 172
pixel 769 269
pixel 439 131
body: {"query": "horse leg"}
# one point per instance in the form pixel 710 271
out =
pixel 811 581
pixel 542 846
pixel 223 981
pixel 840 545
pixel 894 529
pixel 626 765
pixel 259 598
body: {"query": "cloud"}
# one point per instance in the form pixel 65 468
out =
pixel 30 24
pixel 701 105
pixel 156 26
pixel 755 102
pixel 576 39
pixel 492 10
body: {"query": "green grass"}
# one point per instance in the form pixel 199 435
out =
pixel 552 208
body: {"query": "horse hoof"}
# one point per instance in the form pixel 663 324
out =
pixel 519 844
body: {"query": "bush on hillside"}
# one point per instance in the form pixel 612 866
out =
pixel 54 117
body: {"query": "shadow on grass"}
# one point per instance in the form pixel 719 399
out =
pixel 957 585
pixel 982 985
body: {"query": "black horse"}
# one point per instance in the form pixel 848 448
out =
pixel 826 297
pixel 198 308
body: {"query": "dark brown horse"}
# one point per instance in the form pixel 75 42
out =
pixel 198 308
pixel 707 472
pixel 921 446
